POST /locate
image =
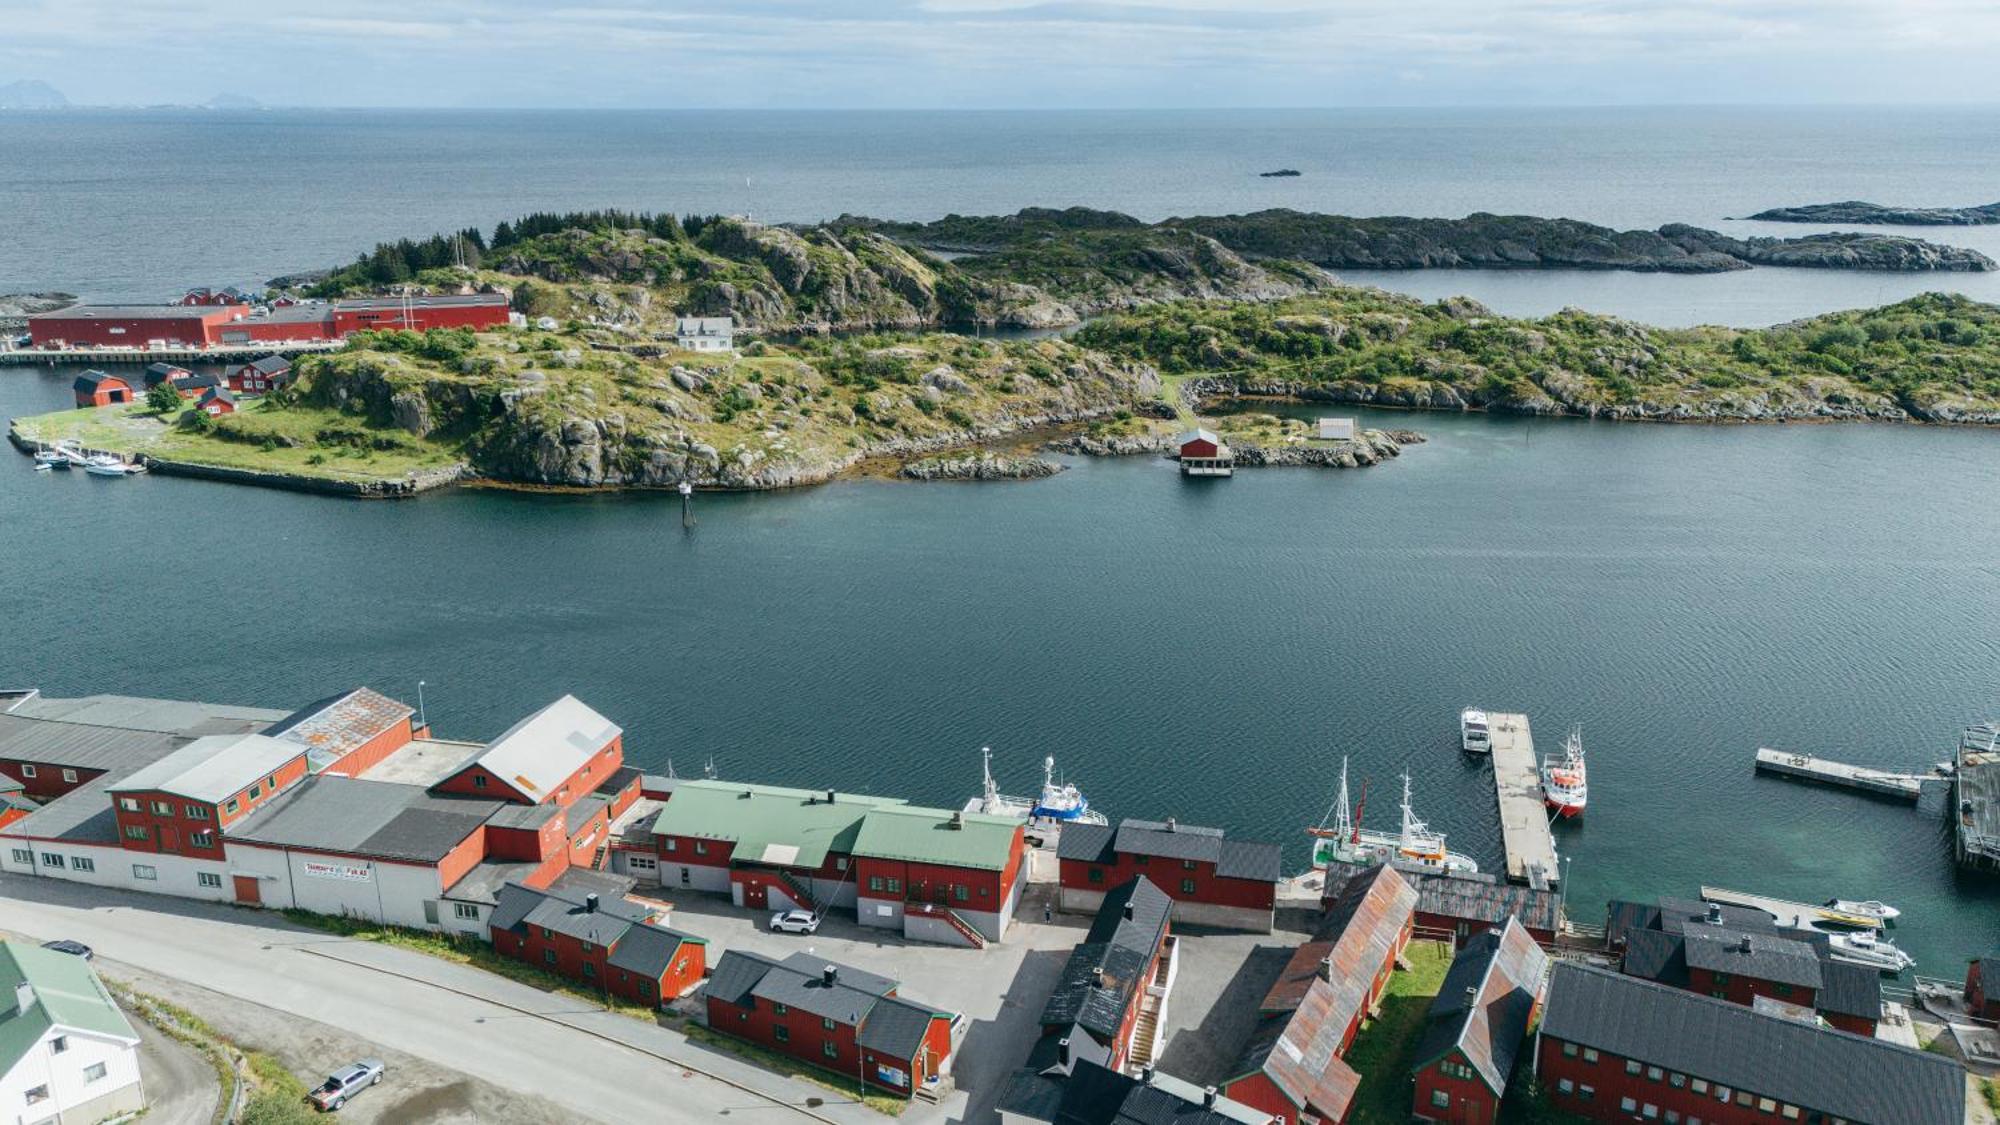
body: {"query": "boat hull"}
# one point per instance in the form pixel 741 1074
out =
pixel 1567 810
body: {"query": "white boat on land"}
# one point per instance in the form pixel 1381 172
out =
pixel 1565 783
pixel 1867 908
pixel 1416 845
pixel 1866 949
pixel 1060 802
pixel 1475 733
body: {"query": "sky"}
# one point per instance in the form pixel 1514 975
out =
pixel 1006 54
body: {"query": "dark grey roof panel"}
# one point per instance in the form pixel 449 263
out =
pixel 896 1027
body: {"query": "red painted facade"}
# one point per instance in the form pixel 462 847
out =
pixel 1599 1081
pixel 1466 1097
pixel 371 753
pixel 804 1036
pixel 1739 989
pixel 197 326
pixel 1199 447
pixel 160 822
pixel 44 781
pixel 1984 1004
pixel 589 964
pixel 1184 880
pixel 109 391
pixel 1260 1093
pixel 178 329
pixel 1462 928
pixel 419 318
pixel 216 407
pixel 475 780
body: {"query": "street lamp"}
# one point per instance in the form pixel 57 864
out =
pixel 423 717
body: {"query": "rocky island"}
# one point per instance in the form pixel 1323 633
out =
pixel 1876 214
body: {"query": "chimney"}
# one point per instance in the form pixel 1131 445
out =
pixel 24 997
pixel 1471 990
pixel 1745 944
pixel 1097 977
pixel 1715 914
pixel 1326 970
pixel 1208 1097
pixel 1128 910
pixel 829 796
pixel 1170 824
pixel 590 903
pixel 958 820
pixel 829 974
pixel 1146 1075
pixel 1062 1051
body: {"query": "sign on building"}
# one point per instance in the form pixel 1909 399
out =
pixel 352 872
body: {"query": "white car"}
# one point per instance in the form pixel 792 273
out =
pixel 795 921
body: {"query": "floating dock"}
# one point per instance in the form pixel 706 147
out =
pixel 1805 767
pixel 1790 913
pixel 1524 821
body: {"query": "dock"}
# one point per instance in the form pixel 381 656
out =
pixel 1789 913
pixel 1805 767
pixel 1524 820
pixel 221 353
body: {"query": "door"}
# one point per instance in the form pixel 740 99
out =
pixel 247 892
pixel 753 895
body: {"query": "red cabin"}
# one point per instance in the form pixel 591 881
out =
pixel 95 388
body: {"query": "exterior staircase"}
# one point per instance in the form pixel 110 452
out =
pixel 949 917
pixel 796 889
pixel 1144 1030
pixel 597 860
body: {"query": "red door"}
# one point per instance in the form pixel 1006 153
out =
pixel 753 895
pixel 246 891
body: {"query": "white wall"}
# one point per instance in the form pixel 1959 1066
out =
pixel 63 1075
pixel 714 880
pixel 383 892
pixel 113 866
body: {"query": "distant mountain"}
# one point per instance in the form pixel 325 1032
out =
pixel 233 101
pixel 30 93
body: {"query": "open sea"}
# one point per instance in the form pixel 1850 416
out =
pixel 1208 650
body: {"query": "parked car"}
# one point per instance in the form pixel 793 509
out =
pixel 344 1083
pixel 795 921
pixel 75 948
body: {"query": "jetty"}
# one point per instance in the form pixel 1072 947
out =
pixel 219 353
pixel 1805 767
pixel 1788 913
pixel 1517 785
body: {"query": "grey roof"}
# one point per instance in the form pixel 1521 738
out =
pixel 1485 898
pixel 81 816
pixel 1763 956
pixel 735 974
pixel 647 950
pixel 1850 990
pixel 336 726
pixel 128 312
pixel 1094 1094
pixel 537 754
pixel 1088 842
pixel 1829 1071
pixel 81 746
pixel 529 817
pixel 270 364
pixel 1169 840
pixel 797 982
pixel 214 767
pixel 1678 915
pixel 1249 859
pixel 444 300
pixel 374 819
pixel 1233 859
pixel 896 1026
pixel 1656 955
pixel 581 811
pixel 624 927
pixel 166 716
pixel 856 998
pixel 486 880
pixel 1104 973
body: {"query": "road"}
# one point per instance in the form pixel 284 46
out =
pixel 591 1063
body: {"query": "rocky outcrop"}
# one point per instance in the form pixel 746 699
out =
pixel 1120 445
pixel 16 308
pixel 979 466
pixel 1891 253
pixel 1369 447
pixel 1876 214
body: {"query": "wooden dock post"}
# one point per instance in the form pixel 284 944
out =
pixel 1524 821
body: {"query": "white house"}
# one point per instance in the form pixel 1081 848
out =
pixel 1336 429
pixel 705 333
pixel 70 1056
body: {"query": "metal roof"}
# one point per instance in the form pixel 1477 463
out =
pixel 1359 930
pixel 768 824
pixel 82 746
pixel 433 301
pixel 920 835
pixel 581 811
pixel 1168 840
pixel 1656 955
pixel 338 725
pixel 1105 973
pixel 137 312
pixel 66 994
pixel 1483 1008
pixel 372 819
pixel 213 768
pixel 735 974
pixel 1679 915
pixel 1090 843
pixel 526 817
pixel 1096 1095
pixel 1831 1072
pixel 537 754
pixel 896 1026
pixel 1484 898
pixel 799 982
pixel 1850 990
pixel 1233 859
pixel 81 816
pixel 166 716
pixel 1764 956
pixel 1249 859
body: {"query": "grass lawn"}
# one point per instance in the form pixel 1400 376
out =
pixel 1384 1050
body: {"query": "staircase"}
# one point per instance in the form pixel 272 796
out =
pixel 1144 1030
pixel 796 889
pixel 964 927
pixel 597 860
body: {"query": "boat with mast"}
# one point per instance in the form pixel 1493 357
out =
pixel 1062 803
pixel 1565 782
pixel 1415 846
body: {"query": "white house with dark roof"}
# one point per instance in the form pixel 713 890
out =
pixel 705 333
pixel 67 1054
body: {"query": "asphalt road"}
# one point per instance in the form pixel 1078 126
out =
pixel 181 1087
pixel 591 1063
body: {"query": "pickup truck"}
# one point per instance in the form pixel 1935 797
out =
pixel 342 1084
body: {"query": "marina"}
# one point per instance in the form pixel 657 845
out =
pixel 1804 767
pixel 219 353
pixel 1788 913
pixel 1517 786
pixel 1415 847
pixel 1975 798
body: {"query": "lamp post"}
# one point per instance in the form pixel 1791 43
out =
pixel 423 717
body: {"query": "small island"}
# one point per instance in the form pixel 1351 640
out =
pixel 1282 173
pixel 1876 214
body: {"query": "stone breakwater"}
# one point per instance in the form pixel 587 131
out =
pixel 1370 447
pixel 980 466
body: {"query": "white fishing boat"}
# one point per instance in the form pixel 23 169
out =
pixel 1565 783
pixel 1866 949
pixel 1345 841
pixel 1475 732
pixel 1867 908
pixel 1060 802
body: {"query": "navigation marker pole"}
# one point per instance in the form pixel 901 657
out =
pixel 687 516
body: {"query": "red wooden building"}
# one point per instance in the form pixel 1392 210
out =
pixel 260 376
pixel 157 373
pixel 560 754
pixel 97 388
pixel 182 804
pixel 1213 880
pixel 1113 985
pixel 1466 905
pixel 14 804
pixel 349 733
pixel 205 296
pixel 840 1019
pixel 207 325
pixel 1613 1047
pixel 1475 1028
pixel 1982 988
pixel 582 927
pixel 1293 1065
pixel 215 402
pixel 130 326
pixel 418 314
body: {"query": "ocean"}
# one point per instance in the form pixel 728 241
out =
pixel 1206 650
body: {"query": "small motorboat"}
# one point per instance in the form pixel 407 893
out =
pixel 1475 736
pixel 1867 908
pixel 61 455
pixel 1867 949
pixel 106 465
pixel 44 467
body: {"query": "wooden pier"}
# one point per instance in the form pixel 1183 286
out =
pixel 1880 783
pixel 1524 820
pixel 224 353
pixel 1789 913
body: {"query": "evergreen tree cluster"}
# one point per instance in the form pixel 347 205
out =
pixel 391 263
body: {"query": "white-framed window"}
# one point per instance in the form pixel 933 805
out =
pixel 93 1073
pixel 208 879
pixel 69 775
pixel 1441 1099
pixel 201 839
pixel 27 769
pixel 1629 1105
pixel 465 910
pixel 51 859
pixel 82 863
pixel 59 1044
pixel 229 807
pixel 38 1094
pixel 641 862
pixel 129 804
pixel 162 808
pixel 24 855
pixel 197 812
pixel 144 873
pixel 1566 1086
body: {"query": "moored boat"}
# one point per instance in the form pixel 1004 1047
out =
pixel 1415 846
pixel 1475 732
pixel 1867 908
pixel 1565 783
pixel 1867 949
pixel 106 465
pixel 1061 803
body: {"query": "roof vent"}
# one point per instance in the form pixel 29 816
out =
pixel 1170 824
pixel 1062 1050
pixel 829 796
pixel 590 903
pixel 829 974
pixel 1128 910
pixel 1744 945
pixel 1208 1096
pixel 1471 990
pixel 1097 976
pixel 1146 1074
pixel 24 997
pixel 958 820
pixel 1715 914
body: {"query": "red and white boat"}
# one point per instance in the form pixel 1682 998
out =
pixel 1565 786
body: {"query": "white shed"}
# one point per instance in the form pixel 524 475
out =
pixel 1336 429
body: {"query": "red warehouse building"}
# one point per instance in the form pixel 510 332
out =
pixel 561 754
pixel 1466 905
pixel 1982 988
pixel 1616 1048
pixel 95 388
pixel 183 803
pixel 350 733
pixel 1475 1028
pixel 584 928
pixel 207 326
pixel 131 326
pixel 837 1018
pixel 1293 1065
pixel 215 402
pixel 55 746
pixel 419 314
pixel 1214 881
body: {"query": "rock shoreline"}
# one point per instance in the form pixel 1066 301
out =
pixel 983 466
pixel 1370 447
pixel 1877 214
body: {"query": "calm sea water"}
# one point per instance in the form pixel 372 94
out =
pixel 1208 650
pixel 138 205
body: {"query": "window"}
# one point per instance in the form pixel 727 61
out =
pixel 642 863
pixel 271 782
pixel 69 776
pixel 1650 1111
pixel 1784 990
pixel 129 804
pixel 51 859
pixel 1590 1054
pixel 59 1044
pixel 1673 1117
pixel 162 808
pixel 1441 1099
pixel 548 934
pixel 138 832
pixel 1587 1093
pixel 1699 1085
pixel 874 882
pixel 27 770
pixel 201 839
pixel 254 792
pixel 782 1033
pixel 548 956
pixel 93 1073
pixel 778 1009
pixel 830 1049
pixel 144 873
pixel 229 807
pixel 1629 1105
pixel 1140 860
pixel 1097 874
pixel 589 970
pixel 826 1022
pixel 1632 1066
pixel 1743 1097
pixel 196 812
pixel 701 847
pixel 1566 1086
pixel 465 910
pixel 961 892
pixel 1790 1112
pixel 1187 886
pixel 895 886
pixel 1722 980
pixel 1187 865
pixel 82 863
pixel 840 863
pixel 1677 1079
pixel 1655 1073
pixel 23 855
pixel 1569 1050
pixel 37 1094
pixel 1766 1105
pixel 209 879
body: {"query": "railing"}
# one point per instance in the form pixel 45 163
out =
pixel 950 918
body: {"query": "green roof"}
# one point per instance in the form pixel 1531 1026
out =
pixel 67 994
pixel 920 835
pixel 768 824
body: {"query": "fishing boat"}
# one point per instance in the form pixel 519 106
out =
pixel 1867 908
pixel 1062 803
pixel 1867 949
pixel 1415 846
pixel 1475 733
pixel 1565 785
